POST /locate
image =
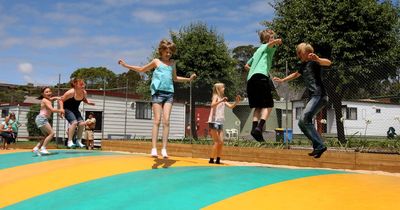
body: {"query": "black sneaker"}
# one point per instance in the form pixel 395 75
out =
pixel 257 135
pixel 314 152
pixel 211 160
pixel 319 152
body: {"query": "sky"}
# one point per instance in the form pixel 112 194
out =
pixel 42 39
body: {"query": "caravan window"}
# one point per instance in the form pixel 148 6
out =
pixel 143 110
pixel 351 113
pixel 4 113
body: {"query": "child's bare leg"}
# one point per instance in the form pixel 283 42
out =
pixel 220 143
pixel 47 130
pixel 166 117
pixel 157 108
pixel 213 154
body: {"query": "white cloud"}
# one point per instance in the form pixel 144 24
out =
pixel 5 22
pixel 25 68
pixel 153 3
pixel 8 42
pixel 261 7
pixel 149 16
pixel 71 18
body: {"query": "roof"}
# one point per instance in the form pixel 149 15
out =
pixel 15 104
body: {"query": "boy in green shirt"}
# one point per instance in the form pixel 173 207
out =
pixel 258 82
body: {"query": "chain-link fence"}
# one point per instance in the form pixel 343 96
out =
pixel 364 107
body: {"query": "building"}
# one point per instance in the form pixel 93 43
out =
pixel 124 116
pixel 240 118
pixel 20 110
pixel 360 117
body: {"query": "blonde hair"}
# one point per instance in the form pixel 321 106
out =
pixel 164 45
pixel 304 48
pixel 265 35
pixel 217 89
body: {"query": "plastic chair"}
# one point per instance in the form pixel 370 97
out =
pixel 235 133
pixel 228 133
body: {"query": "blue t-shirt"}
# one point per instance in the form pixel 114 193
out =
pixel 162 79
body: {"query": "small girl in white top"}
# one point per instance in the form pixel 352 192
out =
pixel 42 122
pixel 216 120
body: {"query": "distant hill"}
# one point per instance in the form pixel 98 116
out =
pixel 11 93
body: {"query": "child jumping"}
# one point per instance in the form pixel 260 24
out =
pixel 259 83
pixel 70 102
pixel 42 122
pixel 162 90
pixel 311 71
pixel 216 120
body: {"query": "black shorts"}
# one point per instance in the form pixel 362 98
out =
pixel 259 92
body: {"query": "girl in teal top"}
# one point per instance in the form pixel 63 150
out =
pixel 162 90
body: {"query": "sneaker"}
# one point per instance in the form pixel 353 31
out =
pixel 154 152
pixel 164 153
pixel 71 144
pixel 257 134
pixel 319 152
pixel 36 151
pixel 79 143
pixel 44 151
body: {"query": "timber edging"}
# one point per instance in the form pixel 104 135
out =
pixel 331 159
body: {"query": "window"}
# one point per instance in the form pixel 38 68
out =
pixel 351 113
pixel 143 110
pixel 4 113
pixel 99 119
pixel 299 112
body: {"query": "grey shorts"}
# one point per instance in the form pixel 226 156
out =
pixel 41 120
pixel 216 126
pixel 162 97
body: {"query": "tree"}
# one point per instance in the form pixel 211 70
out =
pixel 33 130
pixel 358 36
pixel 242 54
pixel 202 50
pixel 95 77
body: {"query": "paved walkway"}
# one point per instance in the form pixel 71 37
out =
pixel 79 179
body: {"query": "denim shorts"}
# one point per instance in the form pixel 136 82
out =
pixel 216 126
pixel 72 116
pixel 162 97
pixel 41 121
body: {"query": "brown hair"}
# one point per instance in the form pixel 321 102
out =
pixel 42 91
pixel 164 45
pixel 74 81
pixel 265 35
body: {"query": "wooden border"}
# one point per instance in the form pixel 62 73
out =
pixel 330 159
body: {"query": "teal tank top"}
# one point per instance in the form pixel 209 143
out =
pixel 162 79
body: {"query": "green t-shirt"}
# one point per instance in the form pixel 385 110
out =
pixel 261 61
pixel 15 125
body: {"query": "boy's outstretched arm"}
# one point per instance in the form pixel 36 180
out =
pixel 288 78
pixel 321 61
pixel 274 42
